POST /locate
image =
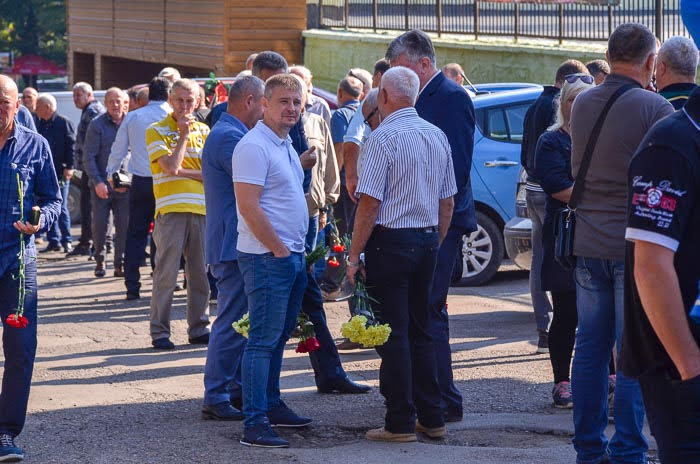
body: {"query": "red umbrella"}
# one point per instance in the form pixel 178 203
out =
pixel 34 64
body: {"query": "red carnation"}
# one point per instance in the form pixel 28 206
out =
pixel 312 344
pixel 338 248
pixel 301 347
pixel 18 322
pixel 333 262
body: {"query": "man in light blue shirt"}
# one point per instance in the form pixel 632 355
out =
pixel 131 137
pixel 272 225
pixel 222 373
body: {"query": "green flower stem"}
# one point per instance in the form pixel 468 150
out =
pixel 21 275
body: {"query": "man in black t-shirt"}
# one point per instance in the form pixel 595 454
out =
pixel 660 341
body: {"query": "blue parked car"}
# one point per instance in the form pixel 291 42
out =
pixel 500 110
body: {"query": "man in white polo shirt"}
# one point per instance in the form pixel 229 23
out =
pixel 272 225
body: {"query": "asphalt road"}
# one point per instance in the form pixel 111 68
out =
pixel 101 395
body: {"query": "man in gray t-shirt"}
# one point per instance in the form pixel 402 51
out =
pixel 599 244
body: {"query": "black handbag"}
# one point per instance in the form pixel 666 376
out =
pixel 121 180
pixel 565 218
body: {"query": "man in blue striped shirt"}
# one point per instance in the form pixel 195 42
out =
pixel 405 188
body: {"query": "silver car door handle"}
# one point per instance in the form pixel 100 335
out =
pixel 500 163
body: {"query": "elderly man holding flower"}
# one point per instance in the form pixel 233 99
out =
pixel 405 195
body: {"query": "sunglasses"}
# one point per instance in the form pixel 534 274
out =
pixel 585 78
pixel 369 116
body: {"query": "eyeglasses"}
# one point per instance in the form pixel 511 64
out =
pixel 369 116
pixel 585 78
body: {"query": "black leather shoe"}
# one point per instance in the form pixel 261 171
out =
pixel 79 250
pixel 223 412
pixel 237 403
pixel 201 340
pixel 100 269
pixel 49 248
pixel 162 344
pixel 343 386
pixel 453 416
pixel 132 296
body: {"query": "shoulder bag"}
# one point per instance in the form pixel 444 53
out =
pixel 565 218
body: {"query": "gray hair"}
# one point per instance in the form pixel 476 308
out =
pixel 187 84
pixel 244 86
pixel 301 71
pixel 269 60
pixel 681 55
pixel 364 76
pixel 568 90
pixel 83 86
pixel 414 44
pixel 351 86
pixel 402 84
pixel 48 99
pixel 170 73
pixel 371 98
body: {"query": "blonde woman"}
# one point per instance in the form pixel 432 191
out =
pixel 553 169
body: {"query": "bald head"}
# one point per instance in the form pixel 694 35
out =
pixel 9 103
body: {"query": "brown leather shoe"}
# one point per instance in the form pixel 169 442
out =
pixel 347 345
pixel 432 432
pixel 118 271
pixel 381 434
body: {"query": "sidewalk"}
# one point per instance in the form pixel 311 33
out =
pixel 101 395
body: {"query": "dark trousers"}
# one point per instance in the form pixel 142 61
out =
pixel 325 361
pixel 400 264
pixel 63 222
pixel 344 213
pixel 118 204
pixel 562 334
pixel 85 211
pixel 673 411
pixel 222 371
pixel 451 398
pixel 19 349
pixel 142 207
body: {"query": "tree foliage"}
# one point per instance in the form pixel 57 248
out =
pixel 34 27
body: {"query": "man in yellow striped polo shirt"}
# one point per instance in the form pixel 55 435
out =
pixel 175 150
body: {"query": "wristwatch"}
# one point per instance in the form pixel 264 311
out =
pixel 350 263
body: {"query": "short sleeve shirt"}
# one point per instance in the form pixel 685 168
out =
pixel 262 158
pixel 175 194
pixel 663 209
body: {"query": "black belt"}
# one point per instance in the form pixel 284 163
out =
pixel 426 230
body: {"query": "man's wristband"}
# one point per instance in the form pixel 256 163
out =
pixel 350 263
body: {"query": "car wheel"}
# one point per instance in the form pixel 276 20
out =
pixel 74 203
pixel 480 255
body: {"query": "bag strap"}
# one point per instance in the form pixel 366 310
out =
pixel 577 192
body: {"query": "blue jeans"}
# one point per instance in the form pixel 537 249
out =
pixel 599 299
pixel 673 409
pixel 451 397
pixel 222 371
pixel 63 222
pixel 19 349
pixel 142 206
pixel 274 288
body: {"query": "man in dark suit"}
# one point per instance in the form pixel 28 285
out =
pixel 445 104
pixel 59 131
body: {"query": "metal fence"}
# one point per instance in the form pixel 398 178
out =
pixel 563 21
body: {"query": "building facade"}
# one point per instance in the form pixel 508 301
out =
pixel 126 42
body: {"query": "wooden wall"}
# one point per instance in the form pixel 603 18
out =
pixel 257 25
pixel 213 35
